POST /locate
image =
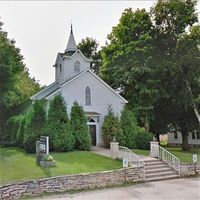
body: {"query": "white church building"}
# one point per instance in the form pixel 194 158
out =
pixel 76 82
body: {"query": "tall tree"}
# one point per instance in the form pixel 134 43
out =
pixel 15 82
pixel 176 61
pixel 58 126
pixel 88 47
pixel 10 64
pixel 127 62
pixel 79 128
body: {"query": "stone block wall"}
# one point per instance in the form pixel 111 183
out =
pixel 71 182
pixel 190 169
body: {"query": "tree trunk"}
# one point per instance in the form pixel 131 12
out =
pixel 193 103
pixel 185 145
pixel 146 123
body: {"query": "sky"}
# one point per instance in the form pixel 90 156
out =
pixel 41 28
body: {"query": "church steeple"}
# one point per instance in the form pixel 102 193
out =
pixel 71 45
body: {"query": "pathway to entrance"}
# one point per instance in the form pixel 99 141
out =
pixel 107 153
pixel 177 189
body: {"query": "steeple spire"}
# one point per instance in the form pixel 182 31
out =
pixel 71 45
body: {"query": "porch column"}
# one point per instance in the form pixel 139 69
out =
pixel 114 148
pixel 154 149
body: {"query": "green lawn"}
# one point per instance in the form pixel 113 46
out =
pixel 16 165
pixel 184 156
pixel 141 152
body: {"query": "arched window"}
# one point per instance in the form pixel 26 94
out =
pixel 87 96
pixel 77 66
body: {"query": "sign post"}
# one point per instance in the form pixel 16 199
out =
pixel 42 148
pixel 125 162
pixel 194 158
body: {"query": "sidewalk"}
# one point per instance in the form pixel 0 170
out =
pixel 106 152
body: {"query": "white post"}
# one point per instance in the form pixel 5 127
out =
pixel 114 149
pixel 47 145
pixel 154 151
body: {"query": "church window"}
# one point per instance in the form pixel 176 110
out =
pixel 198 135
pixel 87 96
pixel 193 135
pixel 77 66
pixel 175 135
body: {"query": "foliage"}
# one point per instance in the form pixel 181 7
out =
pixel 111 128
pixel 143 139
pixel 58 126
pixel 177 65
pixel 34 126
pixel 48 158
pixel 13 125
pixel 21 130
pixel 128 124
pixel 153 60
pixel 127 62
pixel 15 82
pixel 88 47
pixel 79 128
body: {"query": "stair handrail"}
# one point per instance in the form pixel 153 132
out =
pixel 132 157
pixel 168 158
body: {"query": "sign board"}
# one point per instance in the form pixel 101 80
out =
pixel 44 145
pixel 125 162
pixel 194 158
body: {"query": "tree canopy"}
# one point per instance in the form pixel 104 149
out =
pixel 88 47
pixel 152 59
pixel 16 85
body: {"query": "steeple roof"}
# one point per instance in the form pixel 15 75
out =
pixel 71 45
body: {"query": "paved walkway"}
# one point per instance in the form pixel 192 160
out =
pixel 177 189
pixel 107 153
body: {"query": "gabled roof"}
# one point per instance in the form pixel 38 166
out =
pixel 45 92
pixel 94 75
pixel 69 55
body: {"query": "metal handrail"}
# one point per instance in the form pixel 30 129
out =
pixel 168 157
pixel 130 156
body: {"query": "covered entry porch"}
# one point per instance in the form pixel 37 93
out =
pixel 93 119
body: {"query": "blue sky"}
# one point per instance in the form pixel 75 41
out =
pixel 41 28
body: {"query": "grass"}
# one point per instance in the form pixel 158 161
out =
pixel 184 156
pixel 16 165
pixel 141 152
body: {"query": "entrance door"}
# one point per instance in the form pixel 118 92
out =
pixel 93 134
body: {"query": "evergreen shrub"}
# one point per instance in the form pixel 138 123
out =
pixel 111 128
pixel 34 126
pixel 58 126
pixel 80 128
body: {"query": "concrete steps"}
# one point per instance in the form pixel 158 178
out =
pixel 157 170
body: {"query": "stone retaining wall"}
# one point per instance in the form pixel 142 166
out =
pixel 71 182
pixel 190 169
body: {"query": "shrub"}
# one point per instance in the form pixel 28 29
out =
pixel 13 124
pixel 34 126
pixel 21 130
pixel 58 126
pixel 110 127
pixel 48 158
pixel 80 128
pixel 143 139
pixel 129 128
